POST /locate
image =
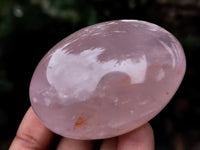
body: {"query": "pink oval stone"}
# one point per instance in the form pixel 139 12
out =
pixel 107 79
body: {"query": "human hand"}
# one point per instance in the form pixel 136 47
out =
pixel 33 135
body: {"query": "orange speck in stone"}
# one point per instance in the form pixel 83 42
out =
pixel 125 80
pixel 79 122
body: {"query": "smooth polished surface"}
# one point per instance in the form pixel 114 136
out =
pixel 107 79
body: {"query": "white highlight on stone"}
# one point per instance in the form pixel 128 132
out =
pixel 126 20
pixel 35 100
pixel 161 74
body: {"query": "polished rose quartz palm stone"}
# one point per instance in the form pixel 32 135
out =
pixel 107 79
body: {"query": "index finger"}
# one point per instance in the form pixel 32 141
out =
pixel 31 134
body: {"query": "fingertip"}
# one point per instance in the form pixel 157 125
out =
pixel 72 144
pixel 141 138
pixel 109 144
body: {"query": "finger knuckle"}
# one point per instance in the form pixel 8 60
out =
pixel 28 141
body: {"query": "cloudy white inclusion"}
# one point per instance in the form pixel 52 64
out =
pixel 80 73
